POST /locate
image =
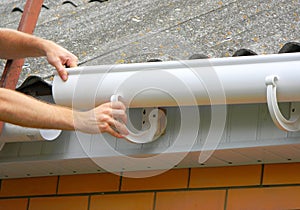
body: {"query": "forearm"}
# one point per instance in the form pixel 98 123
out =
pixel 15 44
pixel 17 108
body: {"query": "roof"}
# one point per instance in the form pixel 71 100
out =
pixel 117 31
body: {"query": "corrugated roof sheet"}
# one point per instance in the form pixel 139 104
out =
pixel 118 31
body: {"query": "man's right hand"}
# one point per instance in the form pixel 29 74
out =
pixel 103 119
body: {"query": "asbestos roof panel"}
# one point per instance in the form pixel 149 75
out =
pixel 118 31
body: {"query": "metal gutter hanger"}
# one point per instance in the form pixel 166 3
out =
pixel 293 124
pixel 158 123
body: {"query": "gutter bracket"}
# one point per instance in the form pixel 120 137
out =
pixel 292 124
pixel 153 117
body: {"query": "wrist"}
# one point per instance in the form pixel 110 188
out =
pixel 85 122
pixel 44 46
pixel 65 117
pixel 80 121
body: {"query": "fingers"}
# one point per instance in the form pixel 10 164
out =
pixel 113 132
pixel 61 58
pixel 120 127
pixel 116 110
pixel 119 114
pixel 72 62
pixel 110 118
pixel 59 65
pixel 113 127
pixel 117 118
pixel 117 105
pixel 62 72
pixel 102 119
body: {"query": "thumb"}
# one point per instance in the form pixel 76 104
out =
pixel 61 71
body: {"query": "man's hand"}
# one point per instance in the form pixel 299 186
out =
pixel 60 58
pixel 103 119
pixel 15 44
pixel 20 109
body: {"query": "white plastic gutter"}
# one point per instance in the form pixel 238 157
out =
pixel 14 133
pixel 236 80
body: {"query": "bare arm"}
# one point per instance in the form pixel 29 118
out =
pixel 23 110
pixel 15 44
pixel 17 108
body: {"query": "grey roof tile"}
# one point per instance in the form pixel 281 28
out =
pixel 118 31
pixel 290 47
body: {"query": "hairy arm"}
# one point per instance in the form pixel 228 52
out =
pixel 19 109
pixel 15 44
pixel 23 110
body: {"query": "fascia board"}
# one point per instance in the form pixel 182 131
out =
pixel 249 137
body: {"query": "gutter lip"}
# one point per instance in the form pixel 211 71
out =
pixel 184 63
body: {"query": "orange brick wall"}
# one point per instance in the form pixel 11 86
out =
pixel 274 186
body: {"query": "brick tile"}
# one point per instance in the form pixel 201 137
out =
pixel 282 174
pixel 173 179
pixel 191 200
pixel 29 186
pixel 264 198
pixel 13 204
pixel 59 203
pixel 87 183
pixel 135 201
pixel 225 176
